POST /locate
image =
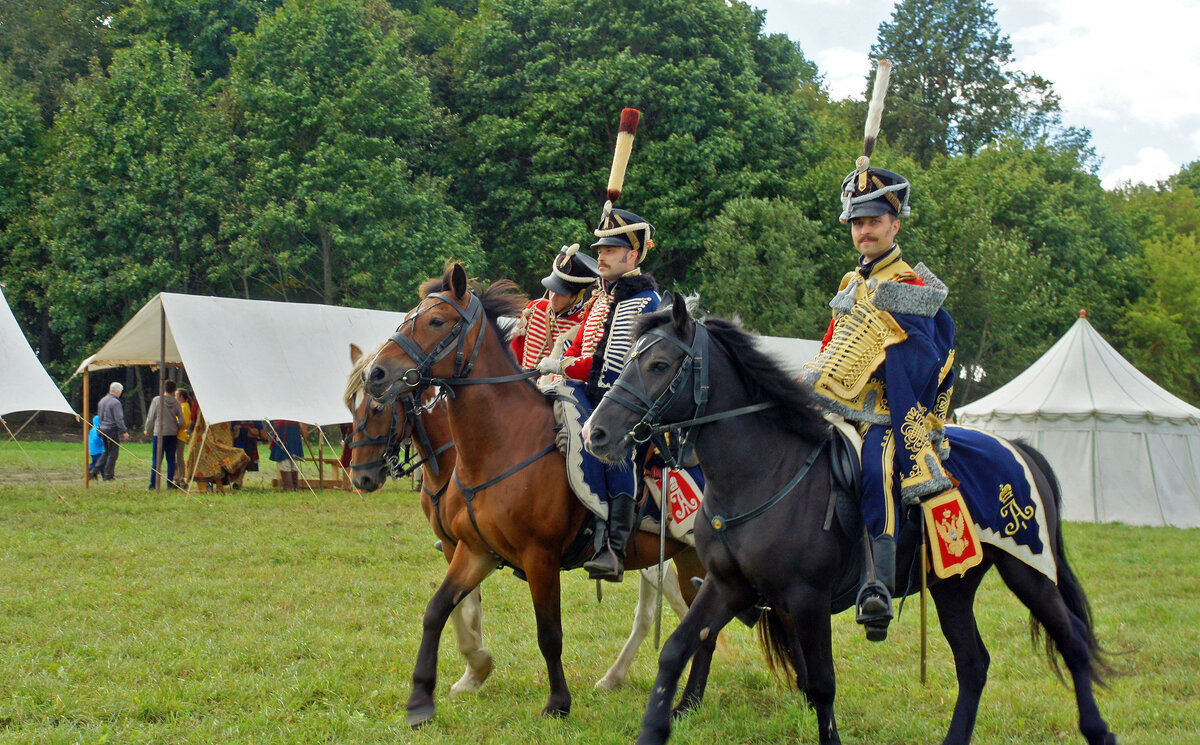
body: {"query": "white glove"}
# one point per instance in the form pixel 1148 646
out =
pixel 550 366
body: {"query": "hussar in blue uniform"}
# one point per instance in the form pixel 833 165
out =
pixel 886 364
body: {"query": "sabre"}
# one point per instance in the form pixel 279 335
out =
pixel 665 509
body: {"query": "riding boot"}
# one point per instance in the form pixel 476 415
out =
pixel 608 563
pixel 875 598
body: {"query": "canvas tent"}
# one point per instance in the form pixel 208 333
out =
pixel 791 352
pixel 251 359
pixel 24 384
pixel 1125 450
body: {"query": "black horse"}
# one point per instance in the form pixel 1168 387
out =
pixel 765 450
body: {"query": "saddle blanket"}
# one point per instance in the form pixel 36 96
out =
pixel 1001 496
pixel 998 490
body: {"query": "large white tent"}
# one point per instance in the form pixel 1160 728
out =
pixel 1125 450
pixel 24 384
pixel 251 359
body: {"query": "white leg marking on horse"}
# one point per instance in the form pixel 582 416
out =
pixel 704 632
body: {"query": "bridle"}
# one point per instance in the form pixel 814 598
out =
pixel 419 377
pixel 673 440
pixel 398 435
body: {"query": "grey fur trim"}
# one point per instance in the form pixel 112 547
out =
pixel 866 415
pixel 935 485
pixel 941 445
pixel 913 300
pixel 844 300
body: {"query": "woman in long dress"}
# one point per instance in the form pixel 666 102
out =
pixel 212 459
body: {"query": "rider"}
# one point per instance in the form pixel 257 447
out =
pixel 596 357
pixel 886 364
pixel 547 319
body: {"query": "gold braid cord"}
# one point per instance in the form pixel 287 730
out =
pixel 857 348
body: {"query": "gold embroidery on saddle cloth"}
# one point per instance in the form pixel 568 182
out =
pixel 951 535
pixel 860 338
pixel 1018 518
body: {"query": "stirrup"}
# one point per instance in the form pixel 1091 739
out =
pixel 600 567
pixel 874 609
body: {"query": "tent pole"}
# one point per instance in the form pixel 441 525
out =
pixel 320 457
pixel 87 422
pixel 157 447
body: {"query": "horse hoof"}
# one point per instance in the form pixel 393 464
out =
pixel 419 715
pixel 608 684
pixel 472 679
pixel 556 712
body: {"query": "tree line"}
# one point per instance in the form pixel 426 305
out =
pixel 340 151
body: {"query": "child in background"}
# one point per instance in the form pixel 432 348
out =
pixel 95 444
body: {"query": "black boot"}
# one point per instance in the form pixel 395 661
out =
pixel 874 601
pixel 608 563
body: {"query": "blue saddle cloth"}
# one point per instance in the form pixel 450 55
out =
pixel 1000 493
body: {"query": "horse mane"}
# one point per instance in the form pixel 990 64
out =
pixel 354 383
pixel 798 409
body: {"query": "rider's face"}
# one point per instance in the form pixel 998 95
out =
pixel 615 261
pixel 874 236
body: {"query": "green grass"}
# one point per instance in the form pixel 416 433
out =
pixel 128 616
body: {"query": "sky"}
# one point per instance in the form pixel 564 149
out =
pixel 1118 68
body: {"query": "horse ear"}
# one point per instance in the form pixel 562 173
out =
pixel 679 314
pixel 458 281
pixel 355 353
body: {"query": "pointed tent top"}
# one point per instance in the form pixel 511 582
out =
pixel 1080 377
pixel 24 384
pixel 1083 312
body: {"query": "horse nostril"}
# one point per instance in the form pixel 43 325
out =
pixel 598 436
pixel 377 373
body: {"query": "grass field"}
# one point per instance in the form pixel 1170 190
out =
pixel 129 616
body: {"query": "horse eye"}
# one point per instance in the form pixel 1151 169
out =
pixel 436 323
pixel 658 366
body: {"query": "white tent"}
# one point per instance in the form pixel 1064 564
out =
pixel 791 352
pixel 1125 450
pixel 251 359
pixel 24 384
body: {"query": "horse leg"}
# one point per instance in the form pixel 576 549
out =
pixel 466 571
pixel 542 571
pixel 467 619
pixel 704 620
pixel 955 601
pixel 812 656
pixel 643 619
pixel 1070 636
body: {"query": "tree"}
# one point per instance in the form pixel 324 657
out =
pixel 341 200
pixel 539 85
pixel 133 191
pixel 49 44
pixel 952 91
pixel 765 262
pixel 203 28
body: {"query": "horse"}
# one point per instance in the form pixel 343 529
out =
pixel 513 505
pixel 375 441
pixel 791 563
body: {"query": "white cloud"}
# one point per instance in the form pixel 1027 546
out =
pixel 1152 165
pixel 1118 65
pixel 845 70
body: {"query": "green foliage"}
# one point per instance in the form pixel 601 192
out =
pixel 48 44
pixel 134 189
pixel 340 199
pixel 952 92
pixel 769 264
pixel 203 28
pixel 539 87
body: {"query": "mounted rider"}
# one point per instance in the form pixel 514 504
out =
pixel 886 364
pixel 549 321
pixel 598 353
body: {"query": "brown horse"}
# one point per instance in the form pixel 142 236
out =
pixel 380 431
pixel 513 505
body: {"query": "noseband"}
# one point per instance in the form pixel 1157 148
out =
pixel 396 435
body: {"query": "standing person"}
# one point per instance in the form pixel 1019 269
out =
pixel 287 449
pixel 112 426
pixel 181 438
pixel 95 445
pixel 164 432
pixel 886 365
pixel 547 320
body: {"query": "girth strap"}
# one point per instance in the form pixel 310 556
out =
pixel 469 492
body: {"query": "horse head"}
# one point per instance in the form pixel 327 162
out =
pixel 377 427
pixel 438 339
pixel 660 384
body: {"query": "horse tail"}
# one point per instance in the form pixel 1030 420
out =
pixel 1068 586
pixel 778 645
